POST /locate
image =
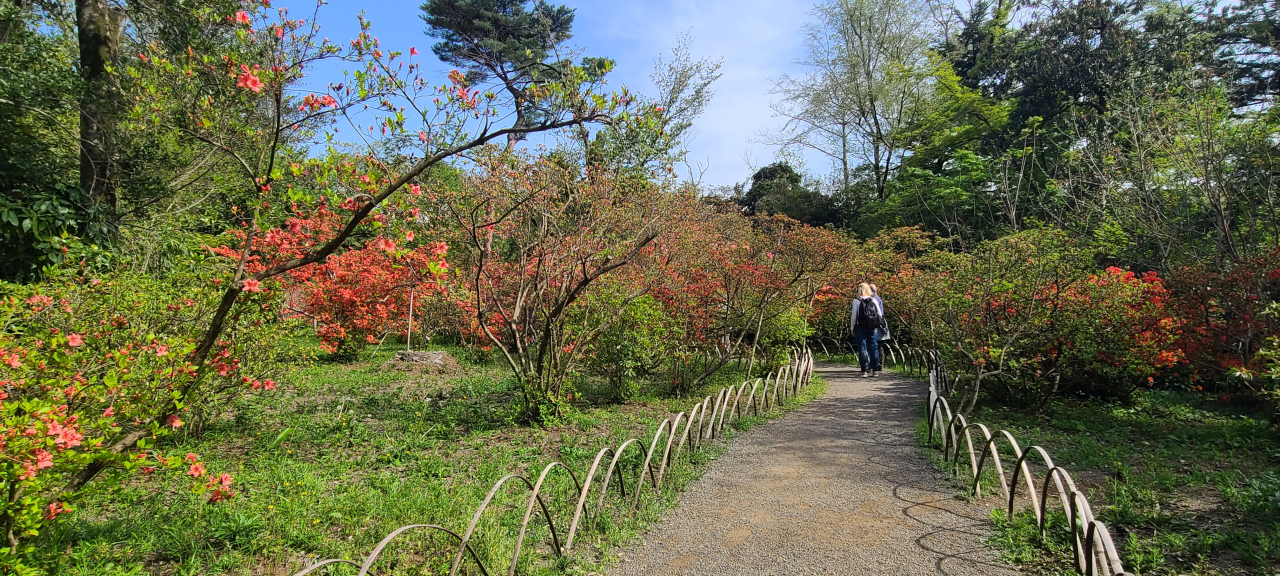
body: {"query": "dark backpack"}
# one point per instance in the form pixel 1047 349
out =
pixel 869 314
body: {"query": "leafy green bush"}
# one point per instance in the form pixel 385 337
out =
pixel 94 369
pixel 1027 317
pixel 634 346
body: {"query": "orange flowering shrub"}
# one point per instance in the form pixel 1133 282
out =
pixel 1026 317
pixel 86 361
pixel 1224 319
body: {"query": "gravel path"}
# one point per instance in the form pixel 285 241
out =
pixel 838 487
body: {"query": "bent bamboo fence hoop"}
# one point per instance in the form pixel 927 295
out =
pixel 1094 551
pixel 704 420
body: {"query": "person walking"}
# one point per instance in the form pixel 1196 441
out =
pixel 866 320
pixel 884 324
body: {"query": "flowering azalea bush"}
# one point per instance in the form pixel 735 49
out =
pixel 355 296
pixel 536 240
pixel 1026 318
pixel 88 360
pixel 735 285
pixel 1224 319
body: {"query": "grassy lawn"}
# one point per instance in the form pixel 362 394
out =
pixel 342 454
pixel 1187 483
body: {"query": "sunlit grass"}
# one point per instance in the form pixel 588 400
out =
pixel 1187 483
pixel 342 454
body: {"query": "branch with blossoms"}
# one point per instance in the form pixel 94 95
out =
pixel 248 104
pixel 536 239
pixel 726 276
pixel 85 360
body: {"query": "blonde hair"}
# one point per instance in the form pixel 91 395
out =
pixel 864 290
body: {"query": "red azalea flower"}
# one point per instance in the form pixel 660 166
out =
pixel 247 79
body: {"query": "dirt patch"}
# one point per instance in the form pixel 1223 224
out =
pixel 425 379
pixel 424 363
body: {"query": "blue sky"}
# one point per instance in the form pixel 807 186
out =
pixel 758 39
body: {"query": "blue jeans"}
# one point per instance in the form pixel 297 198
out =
pixel 867 342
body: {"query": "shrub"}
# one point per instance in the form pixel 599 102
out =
pixel 1027 314
pixel 87 361
pixel 357 295
pixel 1223 319
pixel 634 346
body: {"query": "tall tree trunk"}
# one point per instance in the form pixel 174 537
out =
pixel 99 30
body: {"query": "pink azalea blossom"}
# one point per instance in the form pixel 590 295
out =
pixel 65 436
pixel 242 17
pixel 39 300
pixel 43 460
pixel 109 412
pixel 55 509
pixel 175 422
pixel 251 285
pixel 413 51
pixel 248 79
pixel 221 487
pixel 192 457
pixel 75 340
pixel 196 470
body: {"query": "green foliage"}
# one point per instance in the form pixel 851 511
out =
pixel 496 37
pixel 40 199
pixel 634 346
pixel 779 189
pixel 1027 315
pixel 372 448
pixel 1191 488
pixel 90 358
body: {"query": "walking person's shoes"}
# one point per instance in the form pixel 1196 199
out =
pixel 875 373
pixel 866 374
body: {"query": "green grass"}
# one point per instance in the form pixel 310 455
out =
pixel 343 454
pixel 1187 483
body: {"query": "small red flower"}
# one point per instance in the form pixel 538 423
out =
pixel 242 17
pixel 55 509
pixel 247 79
pixel 43 460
